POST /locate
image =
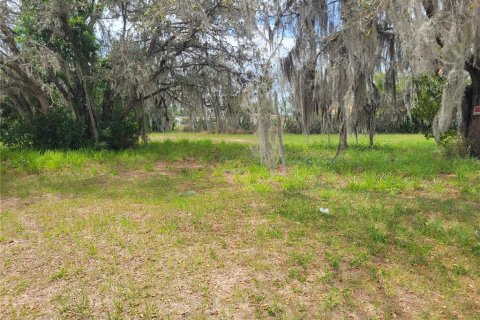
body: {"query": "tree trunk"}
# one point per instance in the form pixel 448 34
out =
pixel 343 143
pixel 472 122
pixel 90 107
pixel 280 132
pixel 372 109
pixel 144 122
pixel 342 115
pixel 371 129
pixel 204 113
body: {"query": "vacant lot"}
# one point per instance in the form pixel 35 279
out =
pixel 199 229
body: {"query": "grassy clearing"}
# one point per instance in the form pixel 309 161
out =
pixel 190 228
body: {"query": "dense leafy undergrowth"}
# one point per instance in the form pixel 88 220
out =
pixel 188 227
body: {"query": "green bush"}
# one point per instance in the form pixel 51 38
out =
pixel 429 91
pixel 414 125
pixel 119 132
pixel 293 124
pixel 56 129
pixel 455 145
pixel 15 133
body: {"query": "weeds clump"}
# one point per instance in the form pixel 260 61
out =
pixel 455 145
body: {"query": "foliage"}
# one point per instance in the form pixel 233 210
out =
pixel 69 53
pixel 385 124
pixel 120 132
pixel 428 101
pixel 342 46
pixel 56 129
pixel 245 122
pixel 454 145
pixel 13 131
pixel 292 124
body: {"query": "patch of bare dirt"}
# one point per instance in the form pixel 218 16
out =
pixel 448 192
pixel 16 203
pixel 410 304
pixel 225 284
pixel 281 170
pixel 9 203
pixel 229 177
pixel 188 163
pixel 258 206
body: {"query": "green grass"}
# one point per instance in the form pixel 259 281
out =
pixel 192 226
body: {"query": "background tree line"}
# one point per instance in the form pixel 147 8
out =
pixel 104 72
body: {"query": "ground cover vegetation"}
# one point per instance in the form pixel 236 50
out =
pixel 186 227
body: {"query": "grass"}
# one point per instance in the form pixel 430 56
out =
pixel 192 226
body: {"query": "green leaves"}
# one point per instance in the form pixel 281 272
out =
pixel 429 99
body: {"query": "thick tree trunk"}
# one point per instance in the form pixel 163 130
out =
pixel 472 122
pixel 307 97
pixel 82 67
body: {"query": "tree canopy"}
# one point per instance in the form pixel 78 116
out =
pixel 343 63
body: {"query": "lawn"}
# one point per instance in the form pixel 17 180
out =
pixel 192 226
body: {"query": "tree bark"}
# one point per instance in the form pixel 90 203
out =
pixel 343 143
pixel 371 129
pixel 89 105
pixel 471 122
pixel 372 110
pixel 342 115
pixel 280 132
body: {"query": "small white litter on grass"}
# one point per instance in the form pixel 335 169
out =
pixel 324 210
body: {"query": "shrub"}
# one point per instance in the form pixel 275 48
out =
pixel 120 132
pixel 56 129
pixel 429 99
pixel 293 124
pixel 14 133
pixel 455 145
